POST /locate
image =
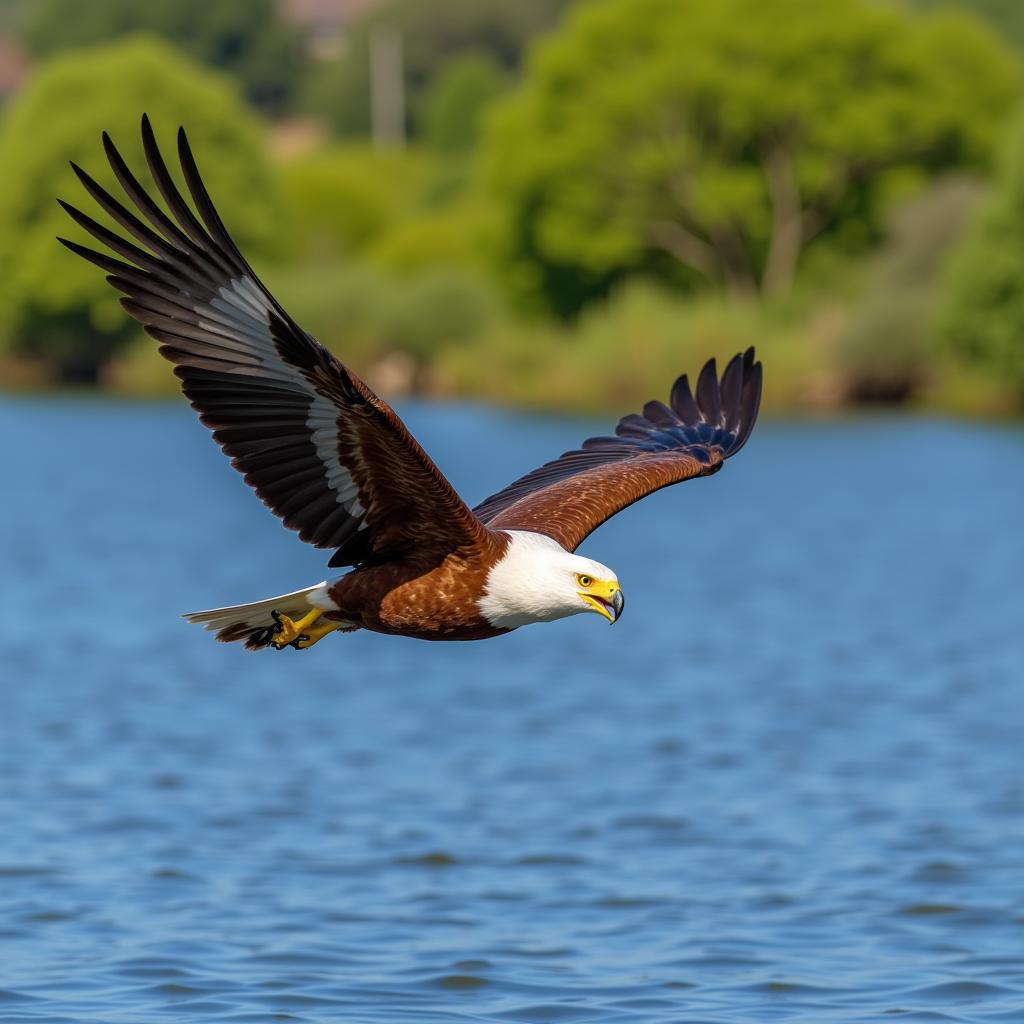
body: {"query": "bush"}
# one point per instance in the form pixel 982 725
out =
pixel 982 317
pixel 887 354
pixel 438 309
pixel 362 314
pixel 630 349
pixel 453 235
pixel 343 199
pixel 53 305
pixel 456 101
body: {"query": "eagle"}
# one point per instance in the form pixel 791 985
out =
pixel 337 465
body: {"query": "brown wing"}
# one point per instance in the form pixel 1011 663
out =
pixel 692 436
pixel 325 454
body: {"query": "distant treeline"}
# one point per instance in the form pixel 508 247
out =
pixel 556 203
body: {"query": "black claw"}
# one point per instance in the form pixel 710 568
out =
pixel 276 627
pixel 261 637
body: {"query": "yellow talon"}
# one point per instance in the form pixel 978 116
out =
pixel 311 636
pixel 289 630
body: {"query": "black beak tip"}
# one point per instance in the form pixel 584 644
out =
pixel 618 603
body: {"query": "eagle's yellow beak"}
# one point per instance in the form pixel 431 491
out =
pixel 605 598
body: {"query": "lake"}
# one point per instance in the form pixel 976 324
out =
pixel 787 786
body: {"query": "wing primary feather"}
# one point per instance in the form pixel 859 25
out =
pixel 116 242
pixel 141 232
pixel 751 403
pixel 633 425
pixel 683 401
pixel 99 259
pixel 173 198
pixel 708 397
pixel 204 204
pixel 730 389
pixel 660 414
pixel 152 212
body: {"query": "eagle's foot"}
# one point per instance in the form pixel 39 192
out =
pixel 287 632
pixel 310 636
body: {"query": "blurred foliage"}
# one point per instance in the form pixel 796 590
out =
pixel 245 37
pixel 1006 16
pixel 432 34
pixel 342 199
pixel 365 314
pixel 54 305
pixel 982 317
pixel 12 14
pixel 457 99
pixel 729 136
pixel 455 234
pixel 438 308
pixel 623 352
pixel 399 210
pixel 885 355
pixel 656 179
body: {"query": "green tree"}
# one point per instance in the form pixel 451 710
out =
pixel 52 305
pixel 245 37
pixel 887 352
pixel 715 141
pixel 1006 16
pixel 342 199
pixel 982 318
pixel 457 99
pixel 431 34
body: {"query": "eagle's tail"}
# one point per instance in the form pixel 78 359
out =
pixel 254 623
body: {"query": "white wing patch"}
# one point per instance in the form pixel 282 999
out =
pixel 247 309
pixel 323 422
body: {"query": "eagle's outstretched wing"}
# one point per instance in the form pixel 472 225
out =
pixel 325 454
pixel 691 436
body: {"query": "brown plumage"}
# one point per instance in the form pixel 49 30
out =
pixel 336 464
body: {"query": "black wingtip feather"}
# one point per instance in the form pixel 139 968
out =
pixel 702 431
pixel 730 389
pixel 708 397
pixel 729 402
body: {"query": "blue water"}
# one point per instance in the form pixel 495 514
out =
pixel 787 786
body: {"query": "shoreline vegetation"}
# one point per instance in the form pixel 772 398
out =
pixel 532 231
pixel 615 358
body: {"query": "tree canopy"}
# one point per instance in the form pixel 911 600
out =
pixel 457 100
pixel 1006 16
pixel 431 34
pixel 983 314
pixel 731 135
pixel 245 37
pixel 52 304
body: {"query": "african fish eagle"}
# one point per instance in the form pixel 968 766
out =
pixel 335 462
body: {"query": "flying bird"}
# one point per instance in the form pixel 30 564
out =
pixel 336 464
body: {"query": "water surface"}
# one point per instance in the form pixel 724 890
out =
pixel 787 786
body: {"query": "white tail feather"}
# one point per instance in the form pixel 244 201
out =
pixel 255 614
pixel 240 621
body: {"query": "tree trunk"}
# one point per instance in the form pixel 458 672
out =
pixel 722 260
pixel 787 238
pixel 740 279
pixel 686 247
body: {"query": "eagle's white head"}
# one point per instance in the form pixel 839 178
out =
pixel 537 580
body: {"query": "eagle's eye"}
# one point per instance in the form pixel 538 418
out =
pixel 583 580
